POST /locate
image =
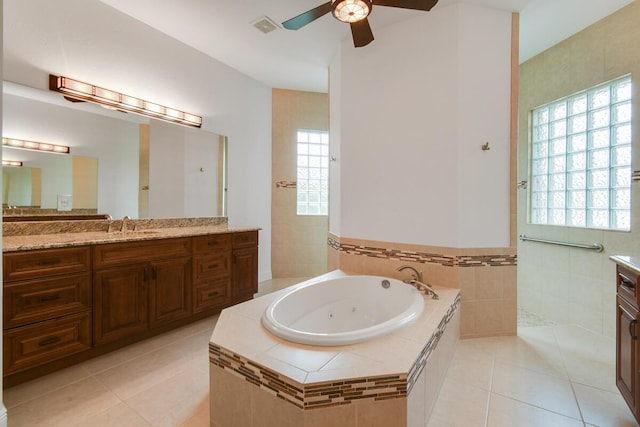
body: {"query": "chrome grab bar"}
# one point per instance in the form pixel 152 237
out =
pixel 598 247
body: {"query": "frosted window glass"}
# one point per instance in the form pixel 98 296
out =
pixel 312 172
pixel 581 159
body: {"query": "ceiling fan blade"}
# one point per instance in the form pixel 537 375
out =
pixel 307 17
pixel 407 4
pixel 361 32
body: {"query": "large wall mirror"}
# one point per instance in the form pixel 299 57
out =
pixel 120 164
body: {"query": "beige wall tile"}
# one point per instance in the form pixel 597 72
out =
pixel 298 242
pixel 271 411
pixel 382 413
pixel 336 416
pixel 226 408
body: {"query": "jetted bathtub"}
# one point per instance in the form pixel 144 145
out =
pixel 343 310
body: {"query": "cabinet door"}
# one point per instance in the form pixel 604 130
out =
pixel 245 273
pixel 120 306
pixel 627 352
pixel 170 291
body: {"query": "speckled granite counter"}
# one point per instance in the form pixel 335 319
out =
pixel 627 261
pixel 58 234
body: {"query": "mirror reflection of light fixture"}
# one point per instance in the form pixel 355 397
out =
pixel 351 10
pixel 87 92
pixel 12 163
pixel 36 146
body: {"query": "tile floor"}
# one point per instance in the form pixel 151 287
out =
pixel 547 376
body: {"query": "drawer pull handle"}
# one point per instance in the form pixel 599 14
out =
pixel 627 283
pixel 632 325
pixel 213 294
pixel 49 298
pixel 49 341
pixel 154 272
pixel 213 243
pixel 49 262
pixel 214 266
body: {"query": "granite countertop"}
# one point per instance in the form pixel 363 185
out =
pixel 59 234
pixel 627 261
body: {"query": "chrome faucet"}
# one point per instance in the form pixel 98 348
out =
pixel 123 227
pixel 417 280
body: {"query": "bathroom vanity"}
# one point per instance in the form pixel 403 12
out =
pixel 627 315
pixel 72 296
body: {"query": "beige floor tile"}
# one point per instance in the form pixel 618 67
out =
pixel 65 406
pixel 503 412
pixel 148 371
pixel 199 416
pixel 544 391
pixel 471 368
pixel 173 401
pixel 40 386
pixel 535 356
pixel 461 405
pixel 603 408
pixel 120 415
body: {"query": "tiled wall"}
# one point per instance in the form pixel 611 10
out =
pixel 561 284
pixel 298 242
pixel 486 276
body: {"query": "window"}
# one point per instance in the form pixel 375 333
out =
pixel 313 172
pixel 581 159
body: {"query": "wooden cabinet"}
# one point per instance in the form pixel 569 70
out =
pixel 211 272
pixel 245 265
pixel 65 305
pixel 120 306
pixel 169 291
pixel 627 345
pixel 46 306
pixel 130 298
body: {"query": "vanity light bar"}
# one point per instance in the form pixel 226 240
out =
pixel 119 101
pixel 11 163
pixel 37 146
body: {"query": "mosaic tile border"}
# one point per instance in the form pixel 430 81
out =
pixel 425 257
pixel 423 358
pixel 286 184
pixel 336 393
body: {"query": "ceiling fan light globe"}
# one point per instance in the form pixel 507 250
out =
pixel 351 10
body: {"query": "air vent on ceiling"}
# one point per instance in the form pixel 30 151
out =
pixel 265 24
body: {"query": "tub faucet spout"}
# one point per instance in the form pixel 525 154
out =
pixel 417 275
pixel 418 281
pixel 428 290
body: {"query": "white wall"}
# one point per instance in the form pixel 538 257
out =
pixel 115 51
pixel 412 124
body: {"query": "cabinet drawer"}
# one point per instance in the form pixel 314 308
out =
pixel 44 342
pixel 47 262
pixel 35 300
pixel 212 242
pixel 211 266
pixel 131 252
pixel 245 239
pixel 627 284
pixel 215 293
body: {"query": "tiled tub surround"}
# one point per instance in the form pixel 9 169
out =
pixel 486 277
pixel 17 236
pixel 392 380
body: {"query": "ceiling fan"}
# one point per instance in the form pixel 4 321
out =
pixel 355 13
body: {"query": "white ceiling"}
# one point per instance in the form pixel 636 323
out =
pixel 299 59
